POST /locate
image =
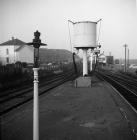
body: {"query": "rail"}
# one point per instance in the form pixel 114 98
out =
pixel 18 98
pixel 124 84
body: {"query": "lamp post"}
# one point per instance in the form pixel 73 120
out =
pixel 36 44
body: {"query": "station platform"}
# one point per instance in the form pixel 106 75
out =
pixel 69 113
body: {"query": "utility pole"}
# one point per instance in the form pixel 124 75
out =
pixel 125 58
pixel 109 53
pixel 128 58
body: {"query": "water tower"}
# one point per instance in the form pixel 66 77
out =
pixel 85 38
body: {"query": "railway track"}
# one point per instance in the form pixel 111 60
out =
pixel 14 99
pixel 10 94
pixel 126 85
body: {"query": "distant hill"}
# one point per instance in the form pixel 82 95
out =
pixel 55 55
pixel 131 61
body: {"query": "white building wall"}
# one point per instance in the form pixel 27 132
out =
pixel 25 54
pixel 4 55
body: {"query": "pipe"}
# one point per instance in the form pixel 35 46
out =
pixel 91 59
pixel 85 64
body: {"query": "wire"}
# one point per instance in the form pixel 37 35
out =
pixel 70 37
pixel 71 21
pixel 99 32
pixel 98 20
pixel 73 54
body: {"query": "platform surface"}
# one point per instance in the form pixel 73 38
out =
pixel 69 113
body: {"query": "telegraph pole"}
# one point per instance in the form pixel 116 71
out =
pixel 125 58
pixel 128 58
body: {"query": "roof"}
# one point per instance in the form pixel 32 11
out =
pixel 22 46
pixel 13 42
pixel 17 49
pixel 102 55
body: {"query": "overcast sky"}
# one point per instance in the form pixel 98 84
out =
pixel 20 18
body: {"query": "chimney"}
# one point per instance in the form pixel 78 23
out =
pixel 12 38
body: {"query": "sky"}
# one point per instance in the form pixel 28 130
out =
pixel 21 18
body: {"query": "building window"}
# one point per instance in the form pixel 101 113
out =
pixel 7 59
pixel 7 51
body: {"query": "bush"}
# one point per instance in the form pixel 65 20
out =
pixel 13 74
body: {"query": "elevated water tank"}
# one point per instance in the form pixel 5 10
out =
pixel 84 34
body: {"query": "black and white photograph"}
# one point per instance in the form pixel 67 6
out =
pixel 68 70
